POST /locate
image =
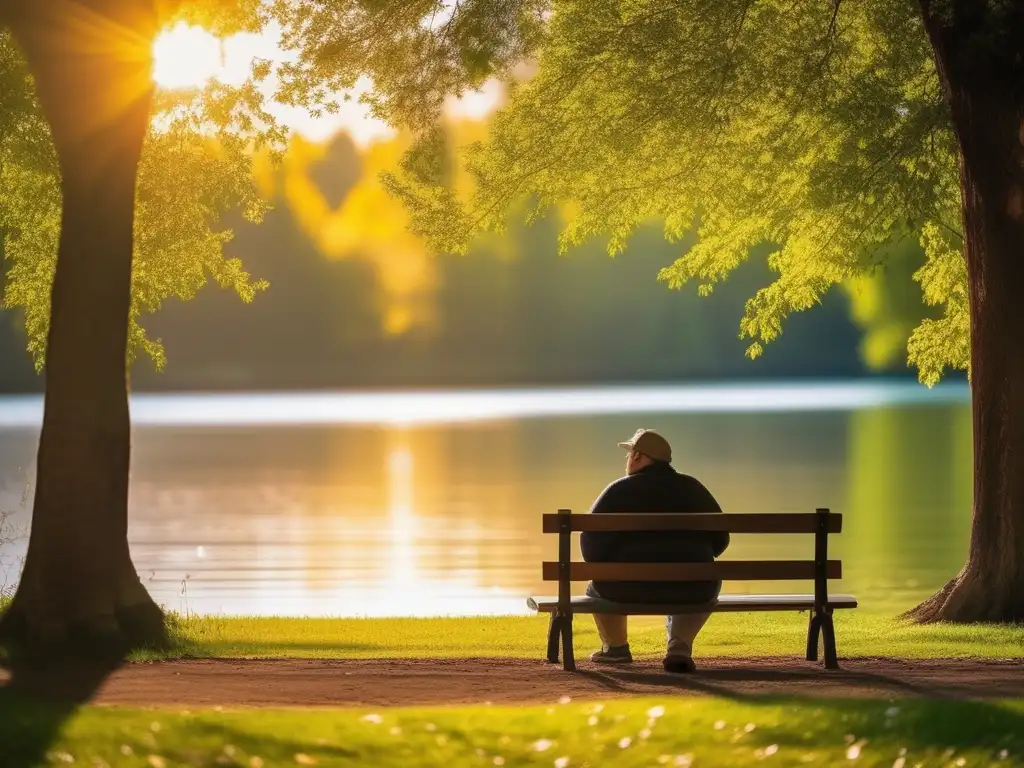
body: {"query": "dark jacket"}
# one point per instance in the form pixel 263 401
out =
pixel 657 488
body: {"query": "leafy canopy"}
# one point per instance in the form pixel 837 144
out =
pixel 195 169
pixel 198 161
pixel 818 128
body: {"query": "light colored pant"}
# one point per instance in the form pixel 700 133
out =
pixel 681 629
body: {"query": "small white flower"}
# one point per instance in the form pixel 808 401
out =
pixel 592 720
pixel 853 751
pixel 719 725
pixel 1003 754
pixel 657 711
pixel 561 762
pixel 771 749
pixel 540 745
pixel 372 718
pixel 624 742
pixel 749 727
pixel 565 700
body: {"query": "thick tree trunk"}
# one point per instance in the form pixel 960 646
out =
pixel 79 590
pixel 979 55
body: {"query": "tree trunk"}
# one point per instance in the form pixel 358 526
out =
pixel 79 590
pixel 979 54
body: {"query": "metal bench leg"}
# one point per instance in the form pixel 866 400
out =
pixel 829 635
pixel 813 633
pixel 554 629
pixel 568 660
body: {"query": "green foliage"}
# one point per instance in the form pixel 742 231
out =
pixel 417 52
pixel 817 127
pixel 221 17
pixel 196 167
pixel 887 305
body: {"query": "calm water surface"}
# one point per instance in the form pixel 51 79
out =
pixel 430 504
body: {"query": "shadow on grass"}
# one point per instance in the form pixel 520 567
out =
pixel 949 727
pixel 273 746
pixel 919 716
pixel 814 682
pixel 35 702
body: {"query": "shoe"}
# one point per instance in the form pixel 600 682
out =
pixel 679 665
pixel 618 655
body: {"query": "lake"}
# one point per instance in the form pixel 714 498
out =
pixel 385 504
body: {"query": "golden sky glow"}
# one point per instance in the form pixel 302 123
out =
pixel 190 57
pixel 187 57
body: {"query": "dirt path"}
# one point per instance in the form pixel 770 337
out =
pixel 244 683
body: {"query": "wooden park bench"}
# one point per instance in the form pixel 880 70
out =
pixel 819 570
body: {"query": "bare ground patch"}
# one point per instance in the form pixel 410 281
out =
pixel 405 682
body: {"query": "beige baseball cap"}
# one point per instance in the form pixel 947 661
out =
pixel 649 443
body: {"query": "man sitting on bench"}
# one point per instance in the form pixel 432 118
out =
pixel 652 486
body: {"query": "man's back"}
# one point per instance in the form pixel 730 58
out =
pixel 657 488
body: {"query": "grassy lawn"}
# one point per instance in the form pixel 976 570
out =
pixel 648 732
pixel 859 633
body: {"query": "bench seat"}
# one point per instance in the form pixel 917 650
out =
pixel 724 604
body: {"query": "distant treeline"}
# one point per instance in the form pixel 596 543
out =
pixel 512 313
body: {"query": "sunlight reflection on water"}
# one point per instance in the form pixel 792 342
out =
pixel 429 503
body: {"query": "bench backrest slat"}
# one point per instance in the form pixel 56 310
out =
pixel 788 522
pixel 724 570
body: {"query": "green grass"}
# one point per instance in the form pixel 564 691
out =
pixel 641 732
pixel 753 634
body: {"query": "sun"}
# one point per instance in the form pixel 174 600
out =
pixel 186 57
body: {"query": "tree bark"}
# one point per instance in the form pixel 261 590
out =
pixel 979 55
pixel 79 590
